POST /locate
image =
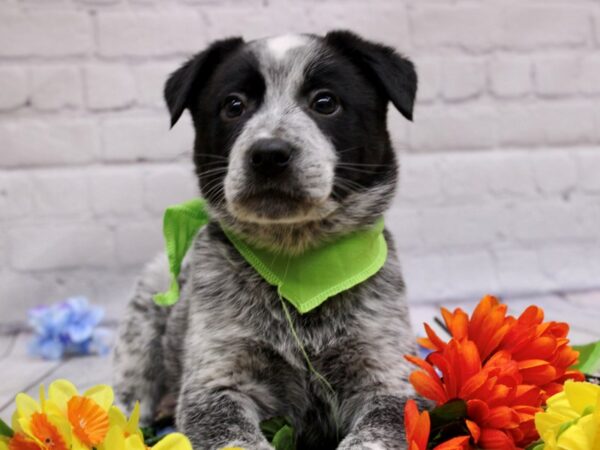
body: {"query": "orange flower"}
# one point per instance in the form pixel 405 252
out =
pixel 418 426
pixel 486 328
pixel 541 350
pixel 21 442
pixel 89 421
pixel 47 434
pixel 498 402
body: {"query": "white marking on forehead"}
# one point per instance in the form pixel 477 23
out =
pixel 280 45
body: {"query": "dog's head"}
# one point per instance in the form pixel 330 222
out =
pixel 291 138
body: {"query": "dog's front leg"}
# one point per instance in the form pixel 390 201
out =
pixel 376 423
pixel 218 418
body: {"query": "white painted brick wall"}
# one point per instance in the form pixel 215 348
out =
pixel 55 87
pixel 500 183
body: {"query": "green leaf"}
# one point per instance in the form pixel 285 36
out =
pixel 270 427
pixel 284 439
pixel 538 445
pixel 448 421
pixel 565 426
pixel 5 430
pixel 589 358
pixel 449 412
pixel 280 433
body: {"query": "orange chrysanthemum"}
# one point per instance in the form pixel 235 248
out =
pixel 503 367
pixel 497 399
pixel 541 350
pixel 21 442
pixel 418 426
pixel 89 421
pixel 46 433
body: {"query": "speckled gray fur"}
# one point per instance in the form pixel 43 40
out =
pixel 227 353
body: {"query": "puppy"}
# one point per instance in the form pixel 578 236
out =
pixel 291 151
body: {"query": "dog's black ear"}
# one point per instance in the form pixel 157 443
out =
pixel 185 82
pixel 393 73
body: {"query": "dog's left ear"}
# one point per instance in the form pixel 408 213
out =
pixel 185 82
pixel 393 73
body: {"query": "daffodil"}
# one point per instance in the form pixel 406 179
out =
pixel 65 419
pixel 572 419
pixel 116 440
pixel 38 427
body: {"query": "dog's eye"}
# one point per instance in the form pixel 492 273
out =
pixel 233 106
pixel 324 103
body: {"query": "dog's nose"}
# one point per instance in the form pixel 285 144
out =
pixel 270 157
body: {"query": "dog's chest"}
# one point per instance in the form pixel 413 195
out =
pixel 225 289
pixel 232 322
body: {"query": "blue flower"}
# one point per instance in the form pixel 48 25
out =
pixel 68 328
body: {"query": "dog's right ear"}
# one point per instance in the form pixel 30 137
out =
pixel 186 82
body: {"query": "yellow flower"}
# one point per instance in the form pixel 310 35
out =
pixel 65 418
pixel 129 427
pixel 116 440
pixel 572 418
pixel 87 414
pixel 37 422
pixel 173 441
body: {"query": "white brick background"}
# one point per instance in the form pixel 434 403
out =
pixel 500 171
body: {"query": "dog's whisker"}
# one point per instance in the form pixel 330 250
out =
pixel 213 171
pixel 349 149
pixel 210 155
pixel 214 163
pixel 345 164
pixel 214 189
pixel 206 188
pixel 351 183
pixel 357 170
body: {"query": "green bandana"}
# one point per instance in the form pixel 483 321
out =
pixel 305 280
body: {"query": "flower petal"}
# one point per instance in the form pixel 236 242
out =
pixel 411 417
pixel 134 443
pixel 60 392
pixel 26 405
pixel 427 387
pixel 495 440
pixel 581 395
pixel 474 430
pixel 114 439
pixel 457 443
pixel 101 394
pixel 502 417
pixel 175 441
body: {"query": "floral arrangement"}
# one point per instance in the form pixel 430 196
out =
pixel 492 380
pixel 498 383
pixel 63 419
pixel 68 328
